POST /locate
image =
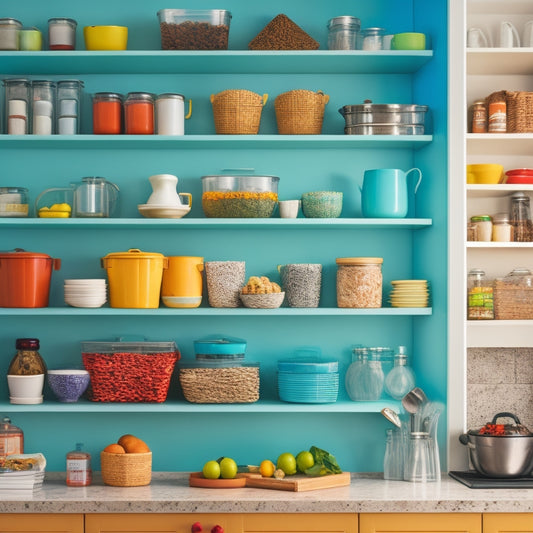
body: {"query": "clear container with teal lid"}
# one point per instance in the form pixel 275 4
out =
pixel 219 348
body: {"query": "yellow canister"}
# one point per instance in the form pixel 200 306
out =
pixel 134 278
pixel 182 282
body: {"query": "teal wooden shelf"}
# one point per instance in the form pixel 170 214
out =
pixel 186 407
pixel 203 142
pixel 215 223
pixel 213 312
pixel 214 62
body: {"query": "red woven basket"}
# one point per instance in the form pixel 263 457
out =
pixel 129 377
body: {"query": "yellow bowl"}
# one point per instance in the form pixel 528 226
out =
pixel 105 37
pixel 487 174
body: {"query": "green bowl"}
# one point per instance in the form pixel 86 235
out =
pixel 322 204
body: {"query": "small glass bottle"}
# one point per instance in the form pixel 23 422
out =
pixel 480 299
pixel 521 218
pixel 44 97
pixel 62 33
pixel 401 379
pixel 79 473
pixel 139 114
pixel 9 34
pixel 17 106
pixel 484 227
pixel 479 117
pixel 68 106
pixel 27 361
pixel 107 113
pixel 11 438
pixel 502 230
pixel 343 33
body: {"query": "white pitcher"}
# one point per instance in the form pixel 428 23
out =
pixel 164 191
pixel 509 37
pixel 527 35
pixel 476 38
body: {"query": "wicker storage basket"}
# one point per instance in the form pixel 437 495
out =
pixel 237 111
pixel 519 106
pixel 126 469
pixel 512 302
pixel 300 112
pixel 225 384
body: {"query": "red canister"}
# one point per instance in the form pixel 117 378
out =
pixel 25 278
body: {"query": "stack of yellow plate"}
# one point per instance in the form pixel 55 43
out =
pixel 409 293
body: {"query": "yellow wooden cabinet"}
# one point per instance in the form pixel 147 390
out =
pixel 41 523
pixel 420 523
pixel 508 523
pixel 300 523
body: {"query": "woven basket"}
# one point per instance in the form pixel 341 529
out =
pixel 237 111
pixel 220 385
pixel 512 302
pixel 263 301
pixel 300 112
pixel 126 469
pixel 519 106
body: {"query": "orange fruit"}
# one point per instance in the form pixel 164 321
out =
pixel 114 448
pixel 132 444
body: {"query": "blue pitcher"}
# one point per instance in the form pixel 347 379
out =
pixel 386 191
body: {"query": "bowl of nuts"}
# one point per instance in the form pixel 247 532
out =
pixel 261 293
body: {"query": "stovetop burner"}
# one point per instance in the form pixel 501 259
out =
pixel 474 480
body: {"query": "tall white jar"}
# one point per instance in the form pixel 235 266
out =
pixel 170 114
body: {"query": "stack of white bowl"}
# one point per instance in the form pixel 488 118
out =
pixel 85 292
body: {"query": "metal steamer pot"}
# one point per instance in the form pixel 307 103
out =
pixel 369 113
pixel 501 456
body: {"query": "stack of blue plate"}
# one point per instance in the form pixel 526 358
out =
pixel 308 380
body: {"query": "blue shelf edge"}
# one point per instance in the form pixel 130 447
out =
pixel 211 311
pixel 176 406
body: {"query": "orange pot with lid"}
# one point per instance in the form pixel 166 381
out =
pixel 134 278
pixel 25 278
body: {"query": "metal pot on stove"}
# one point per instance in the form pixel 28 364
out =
pixel 500 450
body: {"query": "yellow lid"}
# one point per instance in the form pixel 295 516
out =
pixel 134 253
pixel 359 260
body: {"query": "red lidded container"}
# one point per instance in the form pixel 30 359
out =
pixel 25 278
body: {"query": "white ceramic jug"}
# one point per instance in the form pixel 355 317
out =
pixel 476 38
pixel 527 35
pixel 509 37
pixel 164 191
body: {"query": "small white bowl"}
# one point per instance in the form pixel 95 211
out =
pixel 25 386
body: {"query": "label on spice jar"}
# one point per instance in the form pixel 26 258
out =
pixel 497 117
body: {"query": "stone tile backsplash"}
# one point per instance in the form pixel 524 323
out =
pixel 499 379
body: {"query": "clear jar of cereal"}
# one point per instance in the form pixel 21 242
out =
pixel 359 282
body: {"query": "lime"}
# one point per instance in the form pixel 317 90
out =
pixel 211 470
pixel 228 468
pixel 287 463
pixel 304 460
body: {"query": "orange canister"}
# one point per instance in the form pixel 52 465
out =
pixel 134 278
pixel 182 282
pixel 25 278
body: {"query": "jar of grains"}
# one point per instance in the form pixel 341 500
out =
pixel 480 298
pixel 484 227
pixel 502 230
pixel 359 282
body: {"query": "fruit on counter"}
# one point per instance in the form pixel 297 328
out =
pixel 287 462
pixel 211 470
pixel 133 444
pixel 260 285
pixel 196 527
pixel 267 468
pixel 279 474
pixel 228 468
pixel 304 460
pixel 114 448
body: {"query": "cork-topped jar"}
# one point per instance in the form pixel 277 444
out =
pixel 359 282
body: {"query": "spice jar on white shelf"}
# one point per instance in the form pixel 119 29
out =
pixel 502 230
pixel 484 227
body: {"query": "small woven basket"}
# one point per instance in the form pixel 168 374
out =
pixel 519 106
pixel 237 111
pixel 263 301
pixel 300 112
pixel 126 469
pixel 220 385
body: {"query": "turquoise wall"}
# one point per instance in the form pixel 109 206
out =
pixel 184 441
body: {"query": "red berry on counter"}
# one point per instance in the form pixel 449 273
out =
pixel 196 527
pixel 217 529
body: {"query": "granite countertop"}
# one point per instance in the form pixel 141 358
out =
pixel 170 493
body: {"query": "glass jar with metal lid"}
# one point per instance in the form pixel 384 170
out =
pixel 372 39
pixel 68 106
pixel 107 113
pixel 9 34
pixel 484 227
pixel 343 33
pixel 502 230
pixel 521 217
pixel 62 33
pixel 359 282
pixel 139 113
pixel 480 299
pixel 17 94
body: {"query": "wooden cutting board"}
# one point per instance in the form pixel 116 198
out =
pixel 299 482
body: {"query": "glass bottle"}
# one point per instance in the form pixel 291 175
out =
pixel 521 218
pixel 393 462
pixel 27 361
pixel 343 33
pixel 11 438
pixel 480 300
pixel 79 473
pixel 17 93
pixel 68 106
pixel 401 379
pixel 44 97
